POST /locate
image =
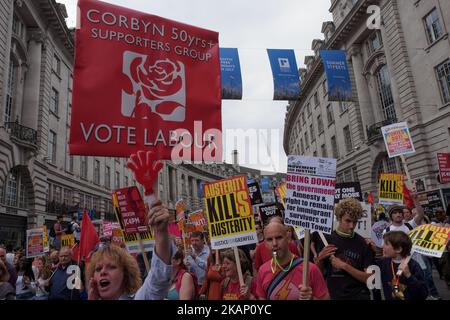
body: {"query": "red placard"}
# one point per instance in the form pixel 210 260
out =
pixel 444 167
pixel 142 82
pixel 130 210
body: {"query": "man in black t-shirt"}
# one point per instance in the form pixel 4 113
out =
pixel 345 260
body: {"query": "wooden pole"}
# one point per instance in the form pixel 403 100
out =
pixel 238 265
pixel 217 256
pixel 408 176
pixel 306 248
pixel 144 256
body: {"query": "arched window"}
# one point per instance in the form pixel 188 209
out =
pixel 16 192
pixel 385 93
pixel 10 91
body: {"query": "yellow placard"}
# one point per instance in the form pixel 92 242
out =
pixel 229 213
pixel 390 188
pixel 68 240
pixel 430 240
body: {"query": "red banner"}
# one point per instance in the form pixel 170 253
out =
pixel 130 210
pixel 142 82
pixel 444 167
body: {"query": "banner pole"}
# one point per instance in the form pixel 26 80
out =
pixel 306 248
pixel 408 176
pixel 238 265
pixel 144 256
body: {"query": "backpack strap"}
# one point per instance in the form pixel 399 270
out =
pixel 280 276
pixel 409 226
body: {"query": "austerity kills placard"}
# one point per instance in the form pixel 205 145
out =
pixel 130 210
pixel 390 190
pixel 144 82
pixel 347 190
pixel 310 192
pixel 430 240
pixel 229 213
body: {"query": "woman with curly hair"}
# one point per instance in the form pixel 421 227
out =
pixel 345 259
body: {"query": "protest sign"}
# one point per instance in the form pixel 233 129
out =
pixel 281 192
pixel 430 240
pixel 166 90
pixel 229 213
pixel 117 237
pixel 364 225
pixel 133 241
pixel 444 167
pixel 397 139
pixel 377 232
pixel 68 240
pixel 430 201
pixel 310 193
pixel 35 243
pixel 348 190
pixel 255 193
pixel 130 210
pixel 108 227
pixel 390 190
pixel 268 211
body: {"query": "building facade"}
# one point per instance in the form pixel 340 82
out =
pixel 400 71
pixel 38 178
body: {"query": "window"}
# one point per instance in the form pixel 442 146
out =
pixel 389 165
pixel 443 73
pixel 83 167
pixel 347 175
pixel 374 42
pixel 433 26
pixel 54 101
pixel 385 93
pixel 330 116
pixel 51 147
pixel 347 139
pixel 324 87
pixel 108 177
pixel 316 99
pixel 334 147
pixel 10 91
pixel 68 197
pixel 324 151
pixel 23 196
pixel 320 124
pixel 97 172
pixel 57 194
pixel 117 180
pixel 11 189
pixel 311 132
pixel 343 106
pixel 56 65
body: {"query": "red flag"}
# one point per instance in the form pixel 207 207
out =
pixel 370 198
pixel 76 253
pixel 88 238
pixel 407 199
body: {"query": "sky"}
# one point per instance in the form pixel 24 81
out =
pixel 252 26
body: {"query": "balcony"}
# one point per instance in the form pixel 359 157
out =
pixel 23 136
pixel 374 130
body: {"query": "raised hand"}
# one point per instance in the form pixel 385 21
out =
pixel 145 168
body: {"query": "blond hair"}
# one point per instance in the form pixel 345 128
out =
pixel 131 274
pixel 349 206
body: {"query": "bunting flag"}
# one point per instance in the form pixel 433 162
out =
pixel 338 78
pixel 286 79
pixel 230 74
pixel 88 238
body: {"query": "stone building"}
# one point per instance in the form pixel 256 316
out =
pixel 400 71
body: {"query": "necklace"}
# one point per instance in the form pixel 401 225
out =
pixel 274 263
pixel 397 288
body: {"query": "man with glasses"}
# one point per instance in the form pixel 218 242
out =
pixel 58 289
